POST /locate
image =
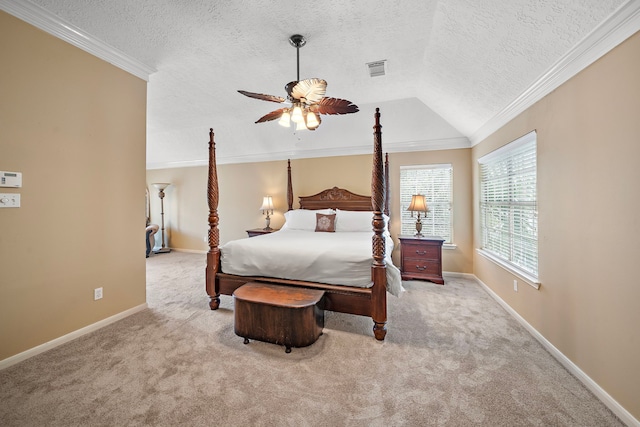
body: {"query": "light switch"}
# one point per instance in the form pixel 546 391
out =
pixel 11 200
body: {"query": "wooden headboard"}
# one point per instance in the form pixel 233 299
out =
pixel 339 198
pixel 336 198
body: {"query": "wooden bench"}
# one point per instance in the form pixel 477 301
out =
pixel 285 315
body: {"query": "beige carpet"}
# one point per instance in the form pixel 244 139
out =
pixel 452 357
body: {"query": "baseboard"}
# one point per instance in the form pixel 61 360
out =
pixel 457 274
pixel 598 391
pixel 69 337
pixel 190 251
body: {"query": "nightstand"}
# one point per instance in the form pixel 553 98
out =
pixel 421 258
pixel 260 231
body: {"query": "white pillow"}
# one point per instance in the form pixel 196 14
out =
pixel 356 220
pixel 303 219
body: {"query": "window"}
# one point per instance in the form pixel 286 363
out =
pixel 436 183
pixel 508 206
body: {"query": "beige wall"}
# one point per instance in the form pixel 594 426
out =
pixel 74 125
pixel 242 187
pixel 588 176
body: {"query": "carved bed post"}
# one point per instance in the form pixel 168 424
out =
pixel 378 269
pixel 386 184
pixel 213 255
pixel 289 186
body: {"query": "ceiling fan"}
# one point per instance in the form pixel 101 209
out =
pixel 306 97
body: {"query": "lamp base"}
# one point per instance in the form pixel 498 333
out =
pixel 418 228
pixel 162 251
pixel 267 228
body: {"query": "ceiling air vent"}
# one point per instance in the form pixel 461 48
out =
pixel 376 68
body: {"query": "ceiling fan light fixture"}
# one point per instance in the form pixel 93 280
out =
pixel 296 116
pixel 306 96
pixel 312 121
pixel 285 119
pixel 301 126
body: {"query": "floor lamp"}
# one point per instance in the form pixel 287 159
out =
pixel 161 186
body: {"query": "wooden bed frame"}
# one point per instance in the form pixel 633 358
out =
pixel 371 302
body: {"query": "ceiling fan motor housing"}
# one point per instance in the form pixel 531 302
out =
pixel 297 41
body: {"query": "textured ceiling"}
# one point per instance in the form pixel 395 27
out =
pixel 451 66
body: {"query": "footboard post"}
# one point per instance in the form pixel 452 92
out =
pixel 378 269
pixel 213 255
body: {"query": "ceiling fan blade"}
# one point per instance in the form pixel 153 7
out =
pixel 334 106
pixel 309 91
pixel 263 97
pixel 272 115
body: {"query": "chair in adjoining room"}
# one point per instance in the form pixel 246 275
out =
pixel 152 229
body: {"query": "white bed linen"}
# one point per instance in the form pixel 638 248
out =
pixel 333 258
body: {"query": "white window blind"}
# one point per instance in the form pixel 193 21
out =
pixel 508 204
pixel 435 182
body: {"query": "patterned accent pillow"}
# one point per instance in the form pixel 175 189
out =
pixel 326 222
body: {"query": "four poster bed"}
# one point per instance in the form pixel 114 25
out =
pixel 234 264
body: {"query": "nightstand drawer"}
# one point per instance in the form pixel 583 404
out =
pixel 421 266
pixel 412 250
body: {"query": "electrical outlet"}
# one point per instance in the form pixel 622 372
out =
pixel 515 286
pixel 97 294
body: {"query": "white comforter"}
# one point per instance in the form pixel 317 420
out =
pixel 333 258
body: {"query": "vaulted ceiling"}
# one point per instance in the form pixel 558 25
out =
pixel 454 68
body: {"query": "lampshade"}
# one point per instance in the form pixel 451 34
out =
pixel 296 116
pixel 267 204
pixel 301 126
pixel 161 185
pixel 285 119
pixel 418 204
pixel 312 120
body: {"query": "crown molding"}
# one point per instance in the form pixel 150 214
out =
pixel 396 147
pixel 58 27
pixel 265 157
pixel 429 145
pixel 618 27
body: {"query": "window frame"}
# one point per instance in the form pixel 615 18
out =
pixel 514 169
pixel 428 226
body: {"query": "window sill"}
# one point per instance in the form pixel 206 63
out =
pixel 525 277
pixel 449 246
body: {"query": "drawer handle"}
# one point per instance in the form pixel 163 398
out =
pixel 421 268
pixel 421 252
